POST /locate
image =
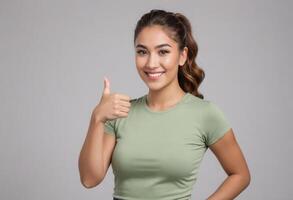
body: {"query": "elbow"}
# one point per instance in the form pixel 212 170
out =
pixel 246 179
pixel 87 185
pixel 90 182
pixel 243 179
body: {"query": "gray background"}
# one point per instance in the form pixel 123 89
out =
pixel 54 54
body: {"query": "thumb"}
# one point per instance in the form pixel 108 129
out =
pixel 106 86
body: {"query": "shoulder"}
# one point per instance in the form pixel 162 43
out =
pixel 198 104
pixel 207 110
pixel 213 117
pixel 203 104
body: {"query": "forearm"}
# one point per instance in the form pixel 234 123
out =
pixel 91 156
pixel 232 186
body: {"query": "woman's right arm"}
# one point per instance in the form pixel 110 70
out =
pixel 95 155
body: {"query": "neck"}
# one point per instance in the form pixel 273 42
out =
pixel 165 98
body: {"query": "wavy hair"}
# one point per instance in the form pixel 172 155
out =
pixel 178 27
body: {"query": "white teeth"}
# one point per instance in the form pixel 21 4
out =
pixel 154 74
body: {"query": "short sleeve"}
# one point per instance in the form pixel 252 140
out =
pixel 215 123
pixel 109 127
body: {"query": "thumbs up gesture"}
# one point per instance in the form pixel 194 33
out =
pixel 111 105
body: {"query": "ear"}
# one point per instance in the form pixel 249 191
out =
pixel 183 56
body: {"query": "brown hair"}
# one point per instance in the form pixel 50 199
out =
pixel 178 27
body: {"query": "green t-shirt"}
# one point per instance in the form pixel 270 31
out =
pixel 158 153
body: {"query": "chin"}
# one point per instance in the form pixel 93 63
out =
pixel 156 86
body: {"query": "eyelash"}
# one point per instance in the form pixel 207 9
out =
pixel 165 51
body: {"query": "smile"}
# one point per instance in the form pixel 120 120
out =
pixel 154 76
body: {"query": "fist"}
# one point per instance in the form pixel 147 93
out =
pixel 111 105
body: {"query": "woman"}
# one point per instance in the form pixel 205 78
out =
pixel 156 142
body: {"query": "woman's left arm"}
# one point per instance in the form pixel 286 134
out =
pixel 230 156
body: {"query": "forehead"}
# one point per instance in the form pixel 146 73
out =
pixel 153 36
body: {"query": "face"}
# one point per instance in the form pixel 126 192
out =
pixel 158 58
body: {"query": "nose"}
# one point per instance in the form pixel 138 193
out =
pixel 152 61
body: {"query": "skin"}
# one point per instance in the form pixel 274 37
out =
pixel 166 92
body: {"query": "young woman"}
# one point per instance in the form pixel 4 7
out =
pixel 156 142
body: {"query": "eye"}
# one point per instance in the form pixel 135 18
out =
pixel 140 52
pixel 163 52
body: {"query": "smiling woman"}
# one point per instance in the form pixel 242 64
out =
pixel 157 146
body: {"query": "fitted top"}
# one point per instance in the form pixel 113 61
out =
pixel 158 153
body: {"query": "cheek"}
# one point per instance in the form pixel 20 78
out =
pixel 169 63
pixel 140 62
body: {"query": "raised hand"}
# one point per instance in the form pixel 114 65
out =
pixel 111 105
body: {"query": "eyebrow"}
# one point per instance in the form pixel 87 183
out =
pixel 158 46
